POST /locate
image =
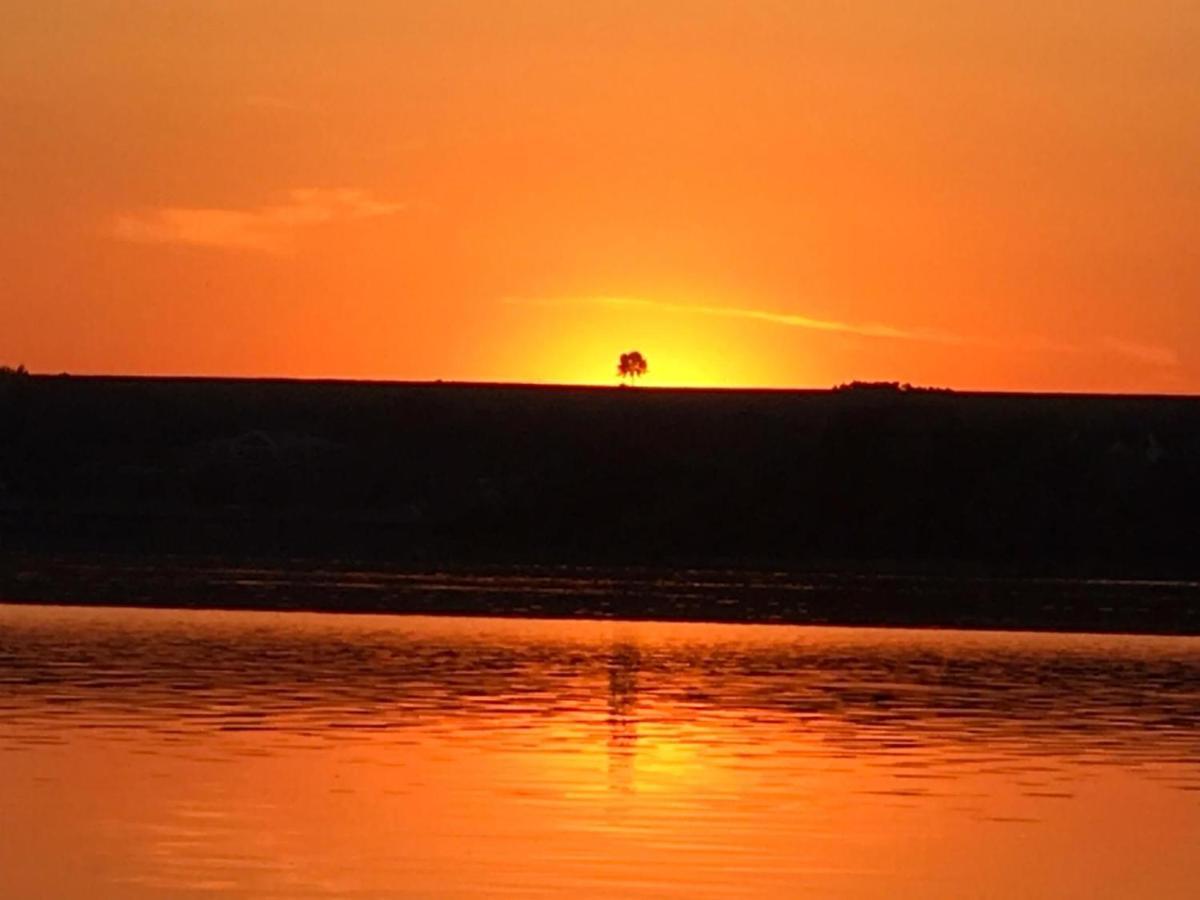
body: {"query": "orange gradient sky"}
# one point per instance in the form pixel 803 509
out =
pixel 978 195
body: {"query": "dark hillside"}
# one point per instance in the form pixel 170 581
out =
pixel 433 472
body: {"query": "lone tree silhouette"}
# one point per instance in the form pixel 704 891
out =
pixel 632 366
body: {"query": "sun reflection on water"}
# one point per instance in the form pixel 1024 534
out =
pixel 289 755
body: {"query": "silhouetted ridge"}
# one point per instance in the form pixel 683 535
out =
pixel 444 472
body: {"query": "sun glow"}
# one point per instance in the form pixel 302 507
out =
pixel 580 343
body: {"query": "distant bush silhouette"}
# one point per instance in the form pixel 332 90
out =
pixel 10 372
pixel 632 365
pixel 890 387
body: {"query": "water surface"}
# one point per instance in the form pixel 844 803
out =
pixel 153 754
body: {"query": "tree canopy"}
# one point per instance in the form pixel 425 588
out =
pixel 632 365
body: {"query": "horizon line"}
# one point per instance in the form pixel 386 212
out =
pixel 867 386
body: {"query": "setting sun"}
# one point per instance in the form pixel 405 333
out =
pixel 579 339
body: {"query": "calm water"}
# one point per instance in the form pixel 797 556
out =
pixel 196 754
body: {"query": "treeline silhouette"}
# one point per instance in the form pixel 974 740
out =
pixel 890 386
pixel 886 478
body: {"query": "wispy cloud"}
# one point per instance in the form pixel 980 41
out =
pixel 269 229
pixel 761 315
pixel 1150 355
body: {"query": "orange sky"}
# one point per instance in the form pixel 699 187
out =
pixel 751 193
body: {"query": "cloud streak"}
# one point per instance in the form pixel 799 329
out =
pixel 872 329
pixel 1149 355
pixel 267 229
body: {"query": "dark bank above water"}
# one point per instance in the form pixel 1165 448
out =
pixel 433 477
pixel 812 598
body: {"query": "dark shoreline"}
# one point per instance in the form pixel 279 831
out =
pixel 565 592
pixel 417 474
pixel 873 506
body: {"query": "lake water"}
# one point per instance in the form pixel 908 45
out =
pixel 192 754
